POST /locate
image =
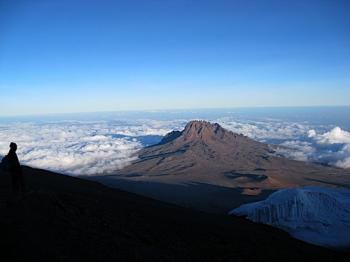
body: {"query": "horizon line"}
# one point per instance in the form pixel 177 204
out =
pixel 164 110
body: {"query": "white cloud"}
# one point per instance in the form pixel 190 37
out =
pixel 144 127
pixel 311 133
pixel 344 163
pixel 341 156
pixel 81 147
pixel 297 150
pixel 298 141
pixel 88 148
pixel 335 136
pixel 263 130
pixel 69 147
pixel 332 147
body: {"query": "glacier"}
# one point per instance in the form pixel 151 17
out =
pixel 316 215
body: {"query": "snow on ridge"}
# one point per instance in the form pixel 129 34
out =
pixel 313 214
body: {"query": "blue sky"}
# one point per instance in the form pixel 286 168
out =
pixel 80 56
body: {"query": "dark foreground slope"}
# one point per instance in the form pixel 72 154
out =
pixel 69 219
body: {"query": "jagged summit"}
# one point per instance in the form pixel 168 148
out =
pixel 201 125
pixel 203 130
pixel 199 130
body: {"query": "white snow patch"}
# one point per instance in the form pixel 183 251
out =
pixel 315 215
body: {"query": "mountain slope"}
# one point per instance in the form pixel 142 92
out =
pixel 208 153
pixel 68 219
pixel 208 156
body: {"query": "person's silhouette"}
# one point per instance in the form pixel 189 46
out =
pixel 15 169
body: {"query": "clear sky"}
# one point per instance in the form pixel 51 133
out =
pixel 80 56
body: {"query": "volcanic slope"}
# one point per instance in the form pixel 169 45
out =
pixel 212 169
pixel 207 153
pixel 62 218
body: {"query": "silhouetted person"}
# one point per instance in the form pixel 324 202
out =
pixel 15 170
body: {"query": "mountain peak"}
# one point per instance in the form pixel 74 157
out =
pixel 203 129
pixel 198 130
pixel 200 124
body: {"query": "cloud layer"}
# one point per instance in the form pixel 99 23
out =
pixel 333 146
pixel 100 147
pixel 71 148
pixel 299 141
pixel 81 147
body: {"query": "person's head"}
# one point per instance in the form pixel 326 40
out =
pixel 13 146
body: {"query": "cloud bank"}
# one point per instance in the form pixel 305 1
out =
pixel 71 148
pixel 102 147
pixel 298 141
pixel 332 148
pixel 81 147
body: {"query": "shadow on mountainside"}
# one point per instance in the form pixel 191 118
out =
pixel 63 218
pixel 200 196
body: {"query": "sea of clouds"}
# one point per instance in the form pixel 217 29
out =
pixel 78 148
pixel 324 144
pixel 103 147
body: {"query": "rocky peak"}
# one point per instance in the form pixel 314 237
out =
pixel 199 130
pixel 203 130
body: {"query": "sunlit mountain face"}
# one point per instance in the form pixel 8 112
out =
pixel 101 143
